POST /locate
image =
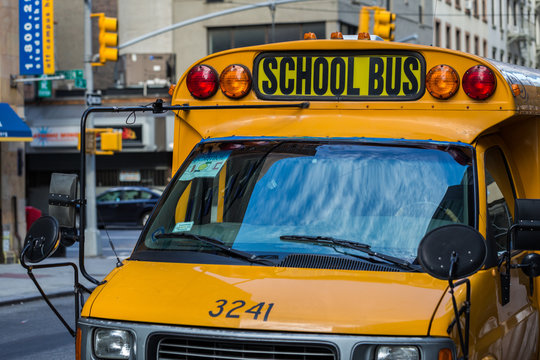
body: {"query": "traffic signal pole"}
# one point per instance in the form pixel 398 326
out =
pixel 92 245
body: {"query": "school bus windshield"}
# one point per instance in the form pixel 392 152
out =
pixel 250 194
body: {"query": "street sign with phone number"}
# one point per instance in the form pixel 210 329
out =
pixel 36 37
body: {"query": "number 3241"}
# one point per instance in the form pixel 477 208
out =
pixel 235 308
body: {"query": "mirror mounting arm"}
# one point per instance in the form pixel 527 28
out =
pixel 77 292
pixel 510 239
pixel 507 257
pixel 465 308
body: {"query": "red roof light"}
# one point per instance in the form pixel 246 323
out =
pixel 202 81
pixel 479 82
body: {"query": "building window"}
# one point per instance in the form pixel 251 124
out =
pixel 225 38
pixel 475 9
pixel 494 53
pixel 476 45
pixel 502 55
pixel 437 32
pixel 458 39
pixel 514 13
pixel 347 29
pixel 484 48
pixel 521 18
pixel 458 4
pixel 467 42
pixel 501 16
pixel 448 36
pixel 493 13
pixel 420 14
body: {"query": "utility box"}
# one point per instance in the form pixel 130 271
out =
pixel 138 70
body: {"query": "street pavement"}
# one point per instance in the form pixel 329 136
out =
pixel 16 286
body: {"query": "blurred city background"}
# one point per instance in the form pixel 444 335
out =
pixel 49 103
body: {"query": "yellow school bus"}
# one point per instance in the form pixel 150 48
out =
pixel 337 199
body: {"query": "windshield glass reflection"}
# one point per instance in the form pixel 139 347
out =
pixel 249 194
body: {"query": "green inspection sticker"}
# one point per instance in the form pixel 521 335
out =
pixel 205 165
pixel 183 226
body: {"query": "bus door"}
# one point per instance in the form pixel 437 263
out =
pixel 517 313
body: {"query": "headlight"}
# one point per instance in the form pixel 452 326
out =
pixel 396 352
pixel 112 344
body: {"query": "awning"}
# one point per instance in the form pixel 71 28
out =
pixel 12 128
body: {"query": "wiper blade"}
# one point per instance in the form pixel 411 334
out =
pixel 365 248
pixel 252 258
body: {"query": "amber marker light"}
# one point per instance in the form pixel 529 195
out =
pixel 445 354
pixel 235 81
pixel 202 81
pixel 310 36
pixel 363 36
pixel 171 89
pixel 336 35
pixel 78 340
pixel 479 82
pixel 442 81
pixel 516 90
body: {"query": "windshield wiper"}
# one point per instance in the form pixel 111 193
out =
pixel 252 258
pixel 365 248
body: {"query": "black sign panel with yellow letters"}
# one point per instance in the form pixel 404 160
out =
pixel 343 76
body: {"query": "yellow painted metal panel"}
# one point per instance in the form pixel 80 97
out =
pixel 303 299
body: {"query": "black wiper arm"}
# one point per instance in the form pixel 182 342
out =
pixel 252 258
pixel 365 248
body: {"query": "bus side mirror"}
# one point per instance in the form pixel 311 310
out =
pixel 526 229
pixel 42 239
pixel 452 252
pixel 64 205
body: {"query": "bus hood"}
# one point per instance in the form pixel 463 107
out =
pixel 269 298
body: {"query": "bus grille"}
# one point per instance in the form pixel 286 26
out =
pixel 175 348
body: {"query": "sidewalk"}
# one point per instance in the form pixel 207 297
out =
pixel 16 286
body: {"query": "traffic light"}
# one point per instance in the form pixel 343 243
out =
pixel 103 141
pixel 111 140
pixel 384 24
pixel 363 21
pixel 108 38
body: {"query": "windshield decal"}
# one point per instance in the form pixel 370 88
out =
pixel 183 226
pixel 205 165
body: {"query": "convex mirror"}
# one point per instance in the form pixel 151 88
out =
pixel 42 239
pixel 436 249
pixel 531 265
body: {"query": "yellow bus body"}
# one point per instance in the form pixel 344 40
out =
pixel 345 302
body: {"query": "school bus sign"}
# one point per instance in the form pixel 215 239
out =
pixel 357 76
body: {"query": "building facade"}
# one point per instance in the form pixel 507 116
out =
pixel 503 30
pixel 12 165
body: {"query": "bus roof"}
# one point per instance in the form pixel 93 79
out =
pixel 342 81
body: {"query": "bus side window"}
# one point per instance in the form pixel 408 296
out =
pixel 500 198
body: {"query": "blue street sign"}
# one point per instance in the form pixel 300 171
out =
pixel 36 37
